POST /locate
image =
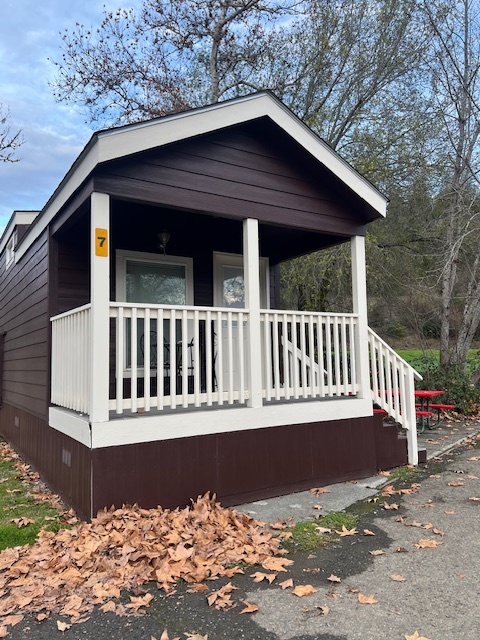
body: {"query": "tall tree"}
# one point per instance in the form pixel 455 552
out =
pixel 171 55
pixel 456 86
pixel 10 140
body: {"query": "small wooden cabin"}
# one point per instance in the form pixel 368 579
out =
pixel 144 355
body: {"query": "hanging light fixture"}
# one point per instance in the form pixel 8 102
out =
pixel 163 239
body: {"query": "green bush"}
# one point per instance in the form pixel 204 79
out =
pixel 456 384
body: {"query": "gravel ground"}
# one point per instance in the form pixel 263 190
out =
pixel 439 596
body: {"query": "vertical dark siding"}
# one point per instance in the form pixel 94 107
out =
pixel 63 463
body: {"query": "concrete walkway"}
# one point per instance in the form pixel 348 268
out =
pixel 303 505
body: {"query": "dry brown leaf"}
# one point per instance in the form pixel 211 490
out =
pixel 388 506
pixel 401 550
pixel 286 583
pixel 22 522
pixel 324 610
pixel 198 588
pixel 456 483
pixel 426 543
pixel 250 607
pixel 346 532
pixel 367 532
pixel 317 491
pixel 196 636
pixel 334 578
pixel 367 599
pixel 323 529
pixel 11 621
pixel 387 474
pixel 474 458
pixel 3 632
pixel 278 524
pixel 108 606
pixel 449 513
pixel 284 535
pixel 304 590
pixel 276 564
pixel 415 636
pixel 259 576
pixel 396 577
pixel 63 626
pixel 473 499
pixel 377 552
pixel 140 601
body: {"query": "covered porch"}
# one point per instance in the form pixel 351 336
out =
pixel 160 369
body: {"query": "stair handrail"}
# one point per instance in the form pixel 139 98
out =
pixel 393 388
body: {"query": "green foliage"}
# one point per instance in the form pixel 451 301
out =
pixel 16 503
pixel 455 382
pixel 396 330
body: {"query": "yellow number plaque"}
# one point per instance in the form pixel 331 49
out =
pixel 101 242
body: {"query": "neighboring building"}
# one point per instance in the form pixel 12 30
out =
pixel 144 355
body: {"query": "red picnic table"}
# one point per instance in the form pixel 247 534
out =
pixel 425 395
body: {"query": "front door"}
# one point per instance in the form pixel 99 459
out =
pixel 229 292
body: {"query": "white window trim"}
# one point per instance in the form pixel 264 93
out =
pixel 138 256
pixel 236 260
pixel 121 258
pixel 10 250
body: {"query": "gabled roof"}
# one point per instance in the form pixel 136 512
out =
pixel 127 140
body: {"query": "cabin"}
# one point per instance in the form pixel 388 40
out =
pixel 144 354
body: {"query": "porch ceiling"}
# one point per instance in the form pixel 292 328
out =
pixel 136 227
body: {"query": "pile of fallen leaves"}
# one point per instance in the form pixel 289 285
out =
pixel 70 572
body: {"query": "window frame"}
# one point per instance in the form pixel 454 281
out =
pixel 121 259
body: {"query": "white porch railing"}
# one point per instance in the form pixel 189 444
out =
pixel 71 359
pixel 169 357
pixel 393 387
pixel 308 355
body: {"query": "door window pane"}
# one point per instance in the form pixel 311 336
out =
pixel 156 283
pixel 153 283
pixel 233 286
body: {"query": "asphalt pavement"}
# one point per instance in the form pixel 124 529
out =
pixel 434 589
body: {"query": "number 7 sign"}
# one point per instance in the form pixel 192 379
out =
pixel 101 242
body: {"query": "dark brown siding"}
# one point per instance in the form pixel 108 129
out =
pixel 251 170
pixel 24 319
pixel 238 466
pixel 63 463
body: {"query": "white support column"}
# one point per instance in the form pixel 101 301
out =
pixel 359 291
pixel 100 299
pixel 251 268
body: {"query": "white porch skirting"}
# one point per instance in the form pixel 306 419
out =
pixel 158 427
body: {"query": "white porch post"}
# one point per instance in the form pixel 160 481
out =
pixel 251 268
pixel 359 290
pixel 100 298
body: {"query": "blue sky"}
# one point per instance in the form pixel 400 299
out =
pixel 54 133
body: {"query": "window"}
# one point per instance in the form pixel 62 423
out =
pixel 152 279
pixel 10 250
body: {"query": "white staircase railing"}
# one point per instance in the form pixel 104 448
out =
pixel 393 388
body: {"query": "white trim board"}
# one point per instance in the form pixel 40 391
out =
pixel 169 426
pixel 71 424
pixel 131 139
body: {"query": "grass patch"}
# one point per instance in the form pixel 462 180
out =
pixel 405 475
pixel 16 502
pixel 307 537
